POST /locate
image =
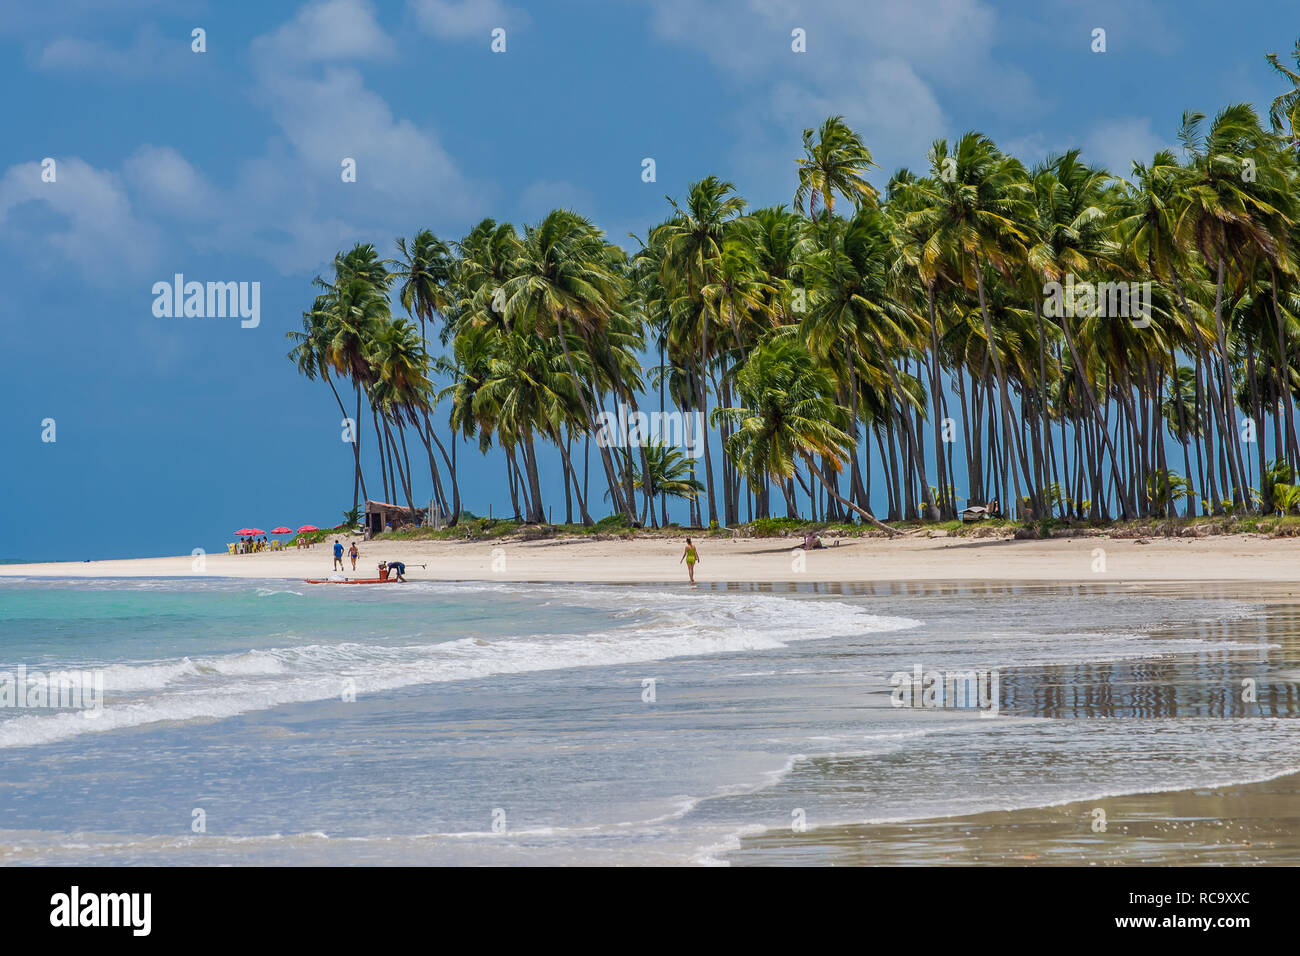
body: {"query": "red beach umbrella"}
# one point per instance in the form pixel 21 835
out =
pixel 307 527
pixel 281 530
pixel 255 531
pixel 244 531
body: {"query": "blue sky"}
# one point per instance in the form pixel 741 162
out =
pixel 224 166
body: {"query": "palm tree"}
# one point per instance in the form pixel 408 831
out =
pixel 1284 112
pixel 1071 229
pixel 309 354
pixel 668 474
pixel 852 310
pixel 808 329
pixel 836 161
pixel 692 246
pixel 426 272
pixel 1235 205
pixel 1181 416
pixel 562 284
pixel 978 204
pixel 788 414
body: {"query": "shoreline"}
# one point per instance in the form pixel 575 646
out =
pixel 1238 558
pixel 1235 824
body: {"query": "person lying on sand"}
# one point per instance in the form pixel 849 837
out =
pixel 812 541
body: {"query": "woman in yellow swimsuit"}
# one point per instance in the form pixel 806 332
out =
pixel 690 556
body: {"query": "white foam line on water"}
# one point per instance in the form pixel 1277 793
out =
pixel 659 626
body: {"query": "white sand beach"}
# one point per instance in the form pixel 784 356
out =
pixel 647 559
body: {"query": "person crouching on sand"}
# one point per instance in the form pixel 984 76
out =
pixel 353 553
pixel 691 557
pixel 395 568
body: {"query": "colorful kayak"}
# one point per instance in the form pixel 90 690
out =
pixel 352 581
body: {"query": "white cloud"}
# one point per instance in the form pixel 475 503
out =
pixel 333 116
pixel 289 206
pixel 36 19
pixel 1116 143
pixel 464 19
pixel 150 53
pixel 327 31
pixel 325 114
pixel 166 181
pixel 96 228
pixel 885 66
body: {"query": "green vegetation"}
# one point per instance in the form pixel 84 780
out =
pixel 1082 344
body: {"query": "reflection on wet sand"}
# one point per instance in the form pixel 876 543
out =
pixel 1252 823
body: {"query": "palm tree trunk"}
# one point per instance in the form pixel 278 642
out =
pixel 538 515
pixel 516 485
pixel 1292 453
pixel 438 492
pixel 1126 508
pixel 864 512
pixel 904 403
pixel 999 373
pixel 704 406
pixel 1235 464
pixel 383 466
pixel 605 457
pixel 434 474
pixel 356 450
pixel 407 482
pixel 645 462
pixel 357 480
pixel 568 475
pixel 947 507
pixel 451 468
pixel 1205 465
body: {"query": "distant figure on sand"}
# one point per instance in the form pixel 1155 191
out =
pixel 338 556
pixel 352 553
pixel 691 557
pixel 396 568
pixel 812 541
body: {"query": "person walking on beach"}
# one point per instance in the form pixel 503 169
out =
pixel 338 556
pixel 691 557
pixel 352 553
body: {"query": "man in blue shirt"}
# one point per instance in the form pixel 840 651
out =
pixel 338 556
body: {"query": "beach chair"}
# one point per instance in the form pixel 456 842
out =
pixel 230 547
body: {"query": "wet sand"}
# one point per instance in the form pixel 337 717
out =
pixel 1235 824
pixel 1239 825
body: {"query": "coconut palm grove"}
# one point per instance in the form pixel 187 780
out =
pixel 872 354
